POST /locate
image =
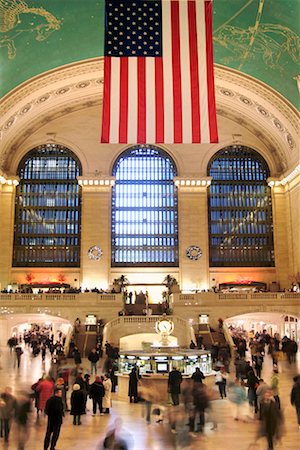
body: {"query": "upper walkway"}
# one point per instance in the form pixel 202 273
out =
pixel 107 306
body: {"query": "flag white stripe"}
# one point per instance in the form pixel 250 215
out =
pixel 185 73
pixel 150 100
pixel 132 100
pixel 167 73
pixel 201 41
pixel 114 100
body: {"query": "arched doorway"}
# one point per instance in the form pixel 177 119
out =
pixel 283 324
pixel 17 324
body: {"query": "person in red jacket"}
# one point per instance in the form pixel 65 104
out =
pixel 45 389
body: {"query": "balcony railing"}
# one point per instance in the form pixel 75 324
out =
pixel 82 297
pixel 213 297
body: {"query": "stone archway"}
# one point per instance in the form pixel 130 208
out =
pixel 15 323
pixel 284 324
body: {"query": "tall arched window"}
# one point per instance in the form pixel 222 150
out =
pixel 144 209
pixel 240 209
pixel 48 209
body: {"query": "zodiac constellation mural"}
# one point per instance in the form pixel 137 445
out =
pixel 16 17
pixel 271 41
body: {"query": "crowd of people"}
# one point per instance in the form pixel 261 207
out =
pixel 187 408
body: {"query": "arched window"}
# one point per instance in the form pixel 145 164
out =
pixel 144 209
pixel 240 209
pixel 48 209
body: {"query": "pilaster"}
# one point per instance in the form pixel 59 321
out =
pixel 282 233
pixel 95 231
pixel 193 232
pixel 7 212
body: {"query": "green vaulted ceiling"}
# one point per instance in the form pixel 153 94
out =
pixel 258 37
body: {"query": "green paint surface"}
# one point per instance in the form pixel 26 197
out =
pixel 258 37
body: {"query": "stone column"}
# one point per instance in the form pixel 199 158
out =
pixel 193 233
pixel 283 245
pixel 7 213
pixel 95 232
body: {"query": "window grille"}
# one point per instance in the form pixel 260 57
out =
pixel 240 209
pixel 144 209
pixel 48 209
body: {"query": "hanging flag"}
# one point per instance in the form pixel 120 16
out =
pixel 158 72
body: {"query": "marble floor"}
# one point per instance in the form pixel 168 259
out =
pixel 229 434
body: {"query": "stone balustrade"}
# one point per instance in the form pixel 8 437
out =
pixel 79 298
pixel 216 297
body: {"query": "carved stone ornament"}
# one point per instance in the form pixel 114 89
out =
pixel 194 252
pixel 95 253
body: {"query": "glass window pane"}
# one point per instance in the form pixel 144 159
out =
pixel 144 209
pixel 47 211
pixel 240 209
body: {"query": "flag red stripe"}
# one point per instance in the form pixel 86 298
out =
pixel 177 95
pixel 159 101
pixel 141 125
pixel 106 100
pixel 210 74
pixel 123 120
pixel 194 73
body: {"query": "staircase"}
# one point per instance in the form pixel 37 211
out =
pixel 209 335
pixel 84 340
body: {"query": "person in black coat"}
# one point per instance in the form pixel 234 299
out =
pixel 271 419
pixel 93 358
pixel 77 357
pixel 23 409
pixel 295 396
pixel 54 409
pixel 174 382
pixel 133 385
pixel 198 376
pixel 78 399
pixel 97 394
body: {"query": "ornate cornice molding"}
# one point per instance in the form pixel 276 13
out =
pixel 64 73
pixel 76 86
pixel 257 87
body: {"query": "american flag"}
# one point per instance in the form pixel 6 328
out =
pixel 158 72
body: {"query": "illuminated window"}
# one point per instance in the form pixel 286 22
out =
pixel 144 209
pixel 240 209
pixel 48 209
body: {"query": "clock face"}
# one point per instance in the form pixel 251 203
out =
pixel 165 326
pixel 194 252
pixel 95 253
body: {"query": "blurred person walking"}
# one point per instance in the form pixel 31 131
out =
pixel 271 420
pixel 237 396
pixel 18 355
pixel 201 403
pixel 221 381
pixel 117 438
pixel 7 411
pixel 274 384
pixel 23 409
pixel 147 393
pixel 262 388
pixel 54 409
pixel 295 397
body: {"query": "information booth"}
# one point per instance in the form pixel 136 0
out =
pixel 185 361
pixel 156 366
